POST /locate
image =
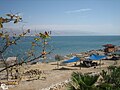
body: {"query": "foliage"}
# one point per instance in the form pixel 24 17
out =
pixel 41 41
pixel 112 77
pixel 10 17
pixel 58 57
pixel 7 40
pixel 110 80
pixel 105 86
pixel 83 81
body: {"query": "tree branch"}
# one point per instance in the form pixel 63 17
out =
pixel 24 61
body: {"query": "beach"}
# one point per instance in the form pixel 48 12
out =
pixel 59 44
pixel 53 76
pixel 47 75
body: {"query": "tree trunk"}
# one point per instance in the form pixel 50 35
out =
pixel 6 65
pixel 80 64
pixel 57 65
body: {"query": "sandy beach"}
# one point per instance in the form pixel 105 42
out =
pixel 54 76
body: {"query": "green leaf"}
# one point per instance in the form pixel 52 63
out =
pixel 1 26
pixel 1 20
pixel 1 34
pixel 16 21
pixel 36 39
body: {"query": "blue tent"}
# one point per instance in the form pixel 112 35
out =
pixel 74 59
pixel 96 57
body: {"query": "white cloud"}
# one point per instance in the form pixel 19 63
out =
pixel 103 29
pixel 78 10
pixel 100 29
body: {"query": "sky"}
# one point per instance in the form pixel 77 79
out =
pixel 66 17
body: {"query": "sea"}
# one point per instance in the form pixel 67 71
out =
pixel 64 45
pixel 76 44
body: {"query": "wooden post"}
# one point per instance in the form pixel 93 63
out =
pixel 44 51
pixel 80 64
pixel 100 63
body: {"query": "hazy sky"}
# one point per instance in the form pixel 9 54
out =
pixel 67 17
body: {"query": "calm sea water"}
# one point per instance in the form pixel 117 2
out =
pixel 75 44
pixel 67 44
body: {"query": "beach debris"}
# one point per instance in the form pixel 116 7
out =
pixel 58 86
pixel 4 87
pixel 35 73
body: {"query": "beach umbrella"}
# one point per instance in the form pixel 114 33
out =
pixel 97 57
pixel 73 59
